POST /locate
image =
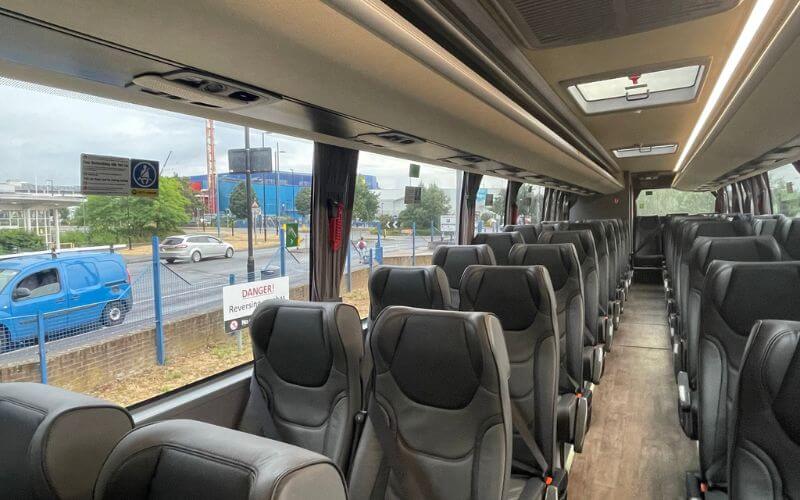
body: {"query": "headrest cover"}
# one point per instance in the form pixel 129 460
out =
pixel 425 287
pixel 453 259
pixel 560 260
pixel 501 243
pixel 739 249
pixel 529 232
pixel 581 239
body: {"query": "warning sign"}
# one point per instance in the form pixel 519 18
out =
pixel 292 235
pixel 144 178
pixel 105 175
pixel 240 301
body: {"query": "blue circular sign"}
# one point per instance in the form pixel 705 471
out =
pixel 144 175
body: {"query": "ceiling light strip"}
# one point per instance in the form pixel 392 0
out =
pixel 746 37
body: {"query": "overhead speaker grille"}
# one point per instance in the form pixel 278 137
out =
pixel 552 23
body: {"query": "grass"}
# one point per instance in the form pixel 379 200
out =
pixel 179 371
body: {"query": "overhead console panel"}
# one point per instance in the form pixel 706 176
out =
pixel 304 69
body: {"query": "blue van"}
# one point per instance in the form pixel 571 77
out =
pixel 72 290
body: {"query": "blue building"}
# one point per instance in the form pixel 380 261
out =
pixel 289 183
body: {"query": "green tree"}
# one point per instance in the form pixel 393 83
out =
pixel 433 204
pixel 19 240
pixel 366 203
pixel 302 201
pixel 238 201
pixel 195 206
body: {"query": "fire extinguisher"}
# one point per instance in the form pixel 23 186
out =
pixel 335 216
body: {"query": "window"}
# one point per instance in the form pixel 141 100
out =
pixel 390 231
pixel 784 183
pixel 490 205
pixel 82 275
pixel 6 275
pixel 39 284
pixel 529 203
pixel 638 90
pixel 668 201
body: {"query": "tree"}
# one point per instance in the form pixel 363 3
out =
pixel 19 240
pixel 366 203
pixel 433 204
pixel 238 201
pixel 302 201
pixel 195 205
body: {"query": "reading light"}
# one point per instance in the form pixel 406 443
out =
pixel 757 16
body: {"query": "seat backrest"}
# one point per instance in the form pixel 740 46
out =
pixel 306 388
pixel 191 459
pixel 561 262
pixel 787 232
pixel 763 462
pixel 453 259
pixel 438 410
pixel 735 296
pixel 671 234
pixel 54 441
pixel 425 287
pixel 704 251
pixel 648 233
pixel 607 288
pixel 522 298
pixel 765 225
pixel 583 242
pixel 553 225
pixel 501 244
pixel 613 252
pixel 529 232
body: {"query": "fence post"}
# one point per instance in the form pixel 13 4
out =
pixel 160 359
pixel 432 230
pixel 370 261
pixel 282 238
pixel 349 276
pixel 42 347
pixel 413 243
pixel 232 281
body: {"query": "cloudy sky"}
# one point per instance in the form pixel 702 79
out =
pixel 43 131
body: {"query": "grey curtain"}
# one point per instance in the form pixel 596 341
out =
pixel 469 197
pixel 332 191
pixel 511 209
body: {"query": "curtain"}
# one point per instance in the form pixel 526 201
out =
pixel 765 200
pixel 332 192
pixel 469 196
pixel 720 204
pixel 796 166
pixel 511 209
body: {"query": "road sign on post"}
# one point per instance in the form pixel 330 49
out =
pixel 240 301
pixel 144 178
pixel 117 176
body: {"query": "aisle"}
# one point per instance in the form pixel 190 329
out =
pixel 635 448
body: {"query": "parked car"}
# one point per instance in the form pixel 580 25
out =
pixel 72 291
pixel 194 247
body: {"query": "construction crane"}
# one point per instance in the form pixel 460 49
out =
pixel 211 167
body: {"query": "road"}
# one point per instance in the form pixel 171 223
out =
pixel 190 288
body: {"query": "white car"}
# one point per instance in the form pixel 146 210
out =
pixel 194 247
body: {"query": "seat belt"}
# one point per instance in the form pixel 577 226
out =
pixel 365 374
pixel 257 417
pixel 649 237
pixel 530 441
pixel 413 483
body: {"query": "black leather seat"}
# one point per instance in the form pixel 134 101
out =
pixel 765 433
pixel 54 441
pixel 530 232
pixel 561 262
pixel 501 244
pixel 453 259
pixel 182 459
pixel 593 330
pixel 607 288
pixel 439 421
pixel 787 232
pixel 765 225
pixel 704 252
pixel 425 287
pixel 306 387
pixel 735 295
pixel 613 239
pixel 648 245
pixel 523 299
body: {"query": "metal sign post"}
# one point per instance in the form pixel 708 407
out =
pixel 251 262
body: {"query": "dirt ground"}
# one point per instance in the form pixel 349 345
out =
pixel 360 299
pixel 179 371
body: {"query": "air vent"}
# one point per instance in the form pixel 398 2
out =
pixel 465 160
pixel 201 90
pixel 391 138
pixel 552 23
pixel 652 150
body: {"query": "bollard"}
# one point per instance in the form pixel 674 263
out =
pixel 432 228
pixel 282 238
pixel 413 243
pixel 42 348
pixel 160 354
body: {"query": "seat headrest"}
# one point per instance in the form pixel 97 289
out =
pixel 560 260
pixel 295 338
pixel 739 249
pixel 787 232
pixel 716 228
pixel 439 359
pixel 54 441
pixel 743 292
pixel 598 233
pixel 582 240
pixel 529 232
pixel 453 259
pixel 501 243
pixel 425 287
pixel 192 459
pixel 515 294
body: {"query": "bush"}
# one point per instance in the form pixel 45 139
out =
pixel 18 240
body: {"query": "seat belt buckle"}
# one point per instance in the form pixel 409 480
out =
pixel 555 482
